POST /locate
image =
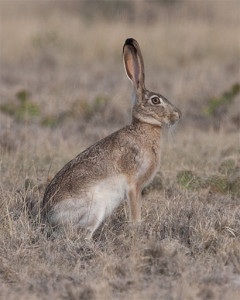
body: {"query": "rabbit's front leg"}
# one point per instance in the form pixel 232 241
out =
pixel 135 203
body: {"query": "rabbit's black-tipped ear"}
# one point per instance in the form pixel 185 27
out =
pixel 133 63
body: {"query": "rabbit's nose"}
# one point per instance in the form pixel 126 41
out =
pixel 179 113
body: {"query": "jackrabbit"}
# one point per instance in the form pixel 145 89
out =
pixel 92 185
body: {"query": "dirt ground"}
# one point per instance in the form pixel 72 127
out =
pixel 62 88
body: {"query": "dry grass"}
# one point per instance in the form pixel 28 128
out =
pixel 67 56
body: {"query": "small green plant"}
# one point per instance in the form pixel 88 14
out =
pixel 189 180
pixel 227 166
pixel 23 95
pixel 23 109
pixel 80 108
pixel 88 109
pixel 226 98
pixel 217 183
pixel 226 180
pixel 50 121
pixel 156 184
pixel 234 182
pixel 29 184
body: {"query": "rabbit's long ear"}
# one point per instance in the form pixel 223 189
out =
pixel 133 62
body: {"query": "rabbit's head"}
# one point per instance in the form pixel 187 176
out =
pixel 148 107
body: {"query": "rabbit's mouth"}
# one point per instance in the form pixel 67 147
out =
pixel 175 117
pixel 171 123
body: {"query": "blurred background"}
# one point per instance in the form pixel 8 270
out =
pixel 62 88
pixel 63 84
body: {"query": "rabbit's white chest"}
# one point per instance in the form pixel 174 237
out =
pixel 147 168
pixel 108 194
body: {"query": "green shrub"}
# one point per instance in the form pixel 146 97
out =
pixel 88 109
pixel 189 180
pixel 23 109
pixel 234 182
pixel 50 121
pixel 217 183
pixel 226 98
pixel 156 184
pixel 227 166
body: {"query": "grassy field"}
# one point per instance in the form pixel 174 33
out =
pixel 62 88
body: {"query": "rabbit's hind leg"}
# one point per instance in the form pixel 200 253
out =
pixel 92 219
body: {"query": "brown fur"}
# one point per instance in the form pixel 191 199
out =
pixel 132 152
pixel 92 164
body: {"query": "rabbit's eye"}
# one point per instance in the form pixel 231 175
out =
pixel 155 100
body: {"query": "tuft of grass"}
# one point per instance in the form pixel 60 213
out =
pixel 217 183
pixel 23 109
pixel 29 184
pixel 234 182
pixel 156 184
pixel 23 96
pixel 87 109
pixel 225 182
pixel 50 121
pixel 227 166
pixel 79 109
pixel 189 180
pixel 215 103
